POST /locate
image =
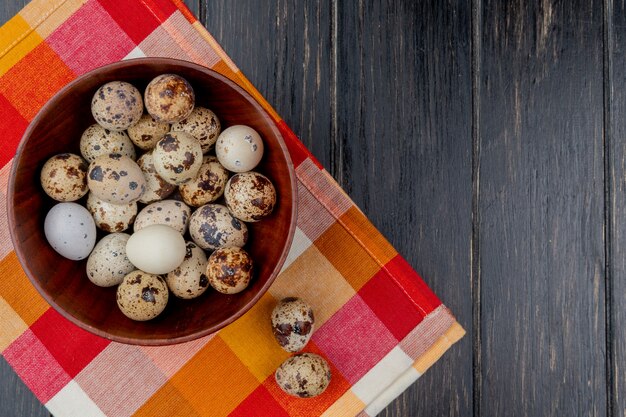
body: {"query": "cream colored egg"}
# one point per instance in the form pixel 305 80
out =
pixel 147 132
pixel 304 375
pixel 116 179
pixel 172 213
pixel 111 217
pixel 96 141
pixel 292 323
pixel 212 226
pixel 169 98
pixel 207 186
pixel 203 125
pixel 250 196
pixel 142 296
pixel 156 249
pixel 189 279
pixel 108 264
pixel 64 177
pixel 156 187
pixel 229 270
pixel 239 148
pixel 177 157
pixel 117 105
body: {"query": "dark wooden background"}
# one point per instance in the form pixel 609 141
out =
pixel 486 140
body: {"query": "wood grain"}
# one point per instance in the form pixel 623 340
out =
pixel 405 152
pixel 615 99
pixel 541 209
pixel 284 48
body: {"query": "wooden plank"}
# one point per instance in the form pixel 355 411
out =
pixel 196 6
pixel 284 48
pixel 541 208
pixel 15 398
pixel 404 154
pixel 616 193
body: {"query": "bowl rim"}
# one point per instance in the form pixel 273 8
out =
pixel 22 257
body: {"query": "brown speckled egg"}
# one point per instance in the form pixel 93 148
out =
pixel 203 125
pixel 292 323
pixel 169 98
pixel 147 132
pixel 239 148
pixel 207 186
pixel 250 196
pixel 108 264
pixel 156 187
pixel 111 217
pixel 212 226
pixel 189 279
pixel 96 141
pixel 117 105
pixel 116 179
pixel 172 213
pixel 304 375
pixel 64 177
pixel 142 296
pixel 177 157
pixel 229 270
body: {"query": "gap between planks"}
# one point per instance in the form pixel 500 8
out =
pixel 476 28
pixel 607 51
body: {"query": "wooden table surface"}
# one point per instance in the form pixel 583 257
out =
pixel 487 141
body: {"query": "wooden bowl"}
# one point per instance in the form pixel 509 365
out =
pixel 64 284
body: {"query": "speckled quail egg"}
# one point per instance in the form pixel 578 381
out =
pixel 156 249
pixel 116 179
pixel 96 141
pixel 303 375
pixel 203 125
pixel 172 213
pixel 156 187
pixel 207 186
pixel 142 296
pixel 108 264
pixel 229 270
pixel 117 105
pixel 147 132
pixel 250 196
pixel 70 230
pixel 64 177
pixel 239 148
pixel 169 98
pixel 111 217
pixel 212 226
pixel 292 323
pixel 177 157
pixel 189 279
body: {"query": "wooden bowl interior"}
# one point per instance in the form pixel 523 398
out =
pixel 64 283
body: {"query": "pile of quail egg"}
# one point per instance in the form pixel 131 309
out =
pixel 154 175
pixel 302 375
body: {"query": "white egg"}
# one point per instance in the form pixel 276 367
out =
pixel 156 249
pixel 239 148
pixel 70 230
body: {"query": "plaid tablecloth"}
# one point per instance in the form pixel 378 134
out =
pixel 378 324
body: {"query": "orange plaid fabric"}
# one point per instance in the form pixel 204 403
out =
pixel 378 325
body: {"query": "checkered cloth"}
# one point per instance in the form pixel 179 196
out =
pixel 379 326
